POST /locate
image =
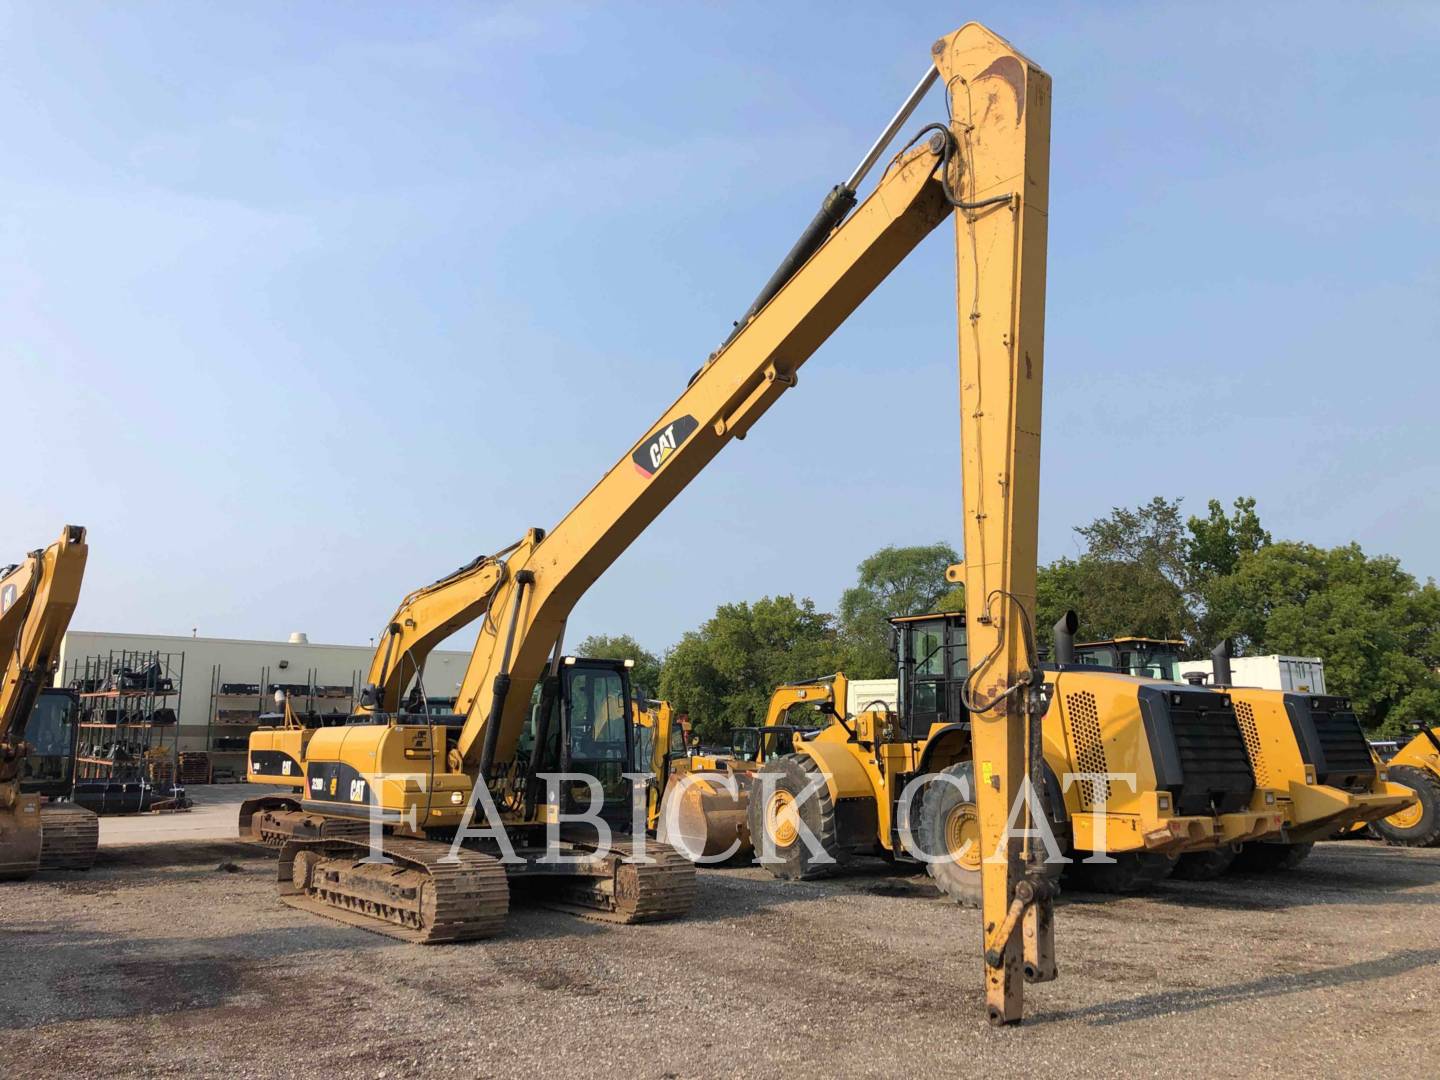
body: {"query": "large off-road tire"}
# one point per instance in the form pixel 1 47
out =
pixel 1260 857
pixel 779 844
pixel 1419 826
pixel 949 829
pixel 1205 865
pixel 946 824
pixel 1131 872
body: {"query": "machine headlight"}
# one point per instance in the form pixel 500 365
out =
pixel 457 797
pixel 1163 802
pixel 1269 798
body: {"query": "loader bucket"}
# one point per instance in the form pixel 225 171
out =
pixel 704 814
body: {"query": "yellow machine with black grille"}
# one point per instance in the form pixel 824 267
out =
pixel 1309 748
pixel 1416 766
pixel 984 168
pixel 1136 772
pixel 37 597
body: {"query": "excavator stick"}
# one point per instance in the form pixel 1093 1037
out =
pixel 999 178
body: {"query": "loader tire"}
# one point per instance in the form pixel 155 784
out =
pixel 1205 865
pixel 1262 858
pixel 1131 872
pixel 779 844
pixel 949 830
pixel 1418 826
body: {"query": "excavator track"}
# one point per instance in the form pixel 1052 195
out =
pixel 636 892
pixel 272 825
pixel 69 836
pixel 417 897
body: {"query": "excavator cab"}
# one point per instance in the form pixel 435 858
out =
pixel 582 721
pixel 51 733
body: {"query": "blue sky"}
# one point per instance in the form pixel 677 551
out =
pixel 304 305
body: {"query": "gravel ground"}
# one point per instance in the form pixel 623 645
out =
pixel 160 962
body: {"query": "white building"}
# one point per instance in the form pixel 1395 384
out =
pixel 203 666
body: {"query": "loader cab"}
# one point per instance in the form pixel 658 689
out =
pixel 582 721
pixel 760 744
pixel 51 731
pixel 933 659
pixel 1147 658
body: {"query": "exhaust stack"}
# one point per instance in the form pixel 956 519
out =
pixel 1220 664
pixel 1064 636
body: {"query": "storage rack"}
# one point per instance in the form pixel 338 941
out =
pixel 125 712
pixel 238 707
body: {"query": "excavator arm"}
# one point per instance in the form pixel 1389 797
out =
pixel 35 621
pixel 987 168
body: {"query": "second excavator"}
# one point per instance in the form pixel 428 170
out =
pixel 37 598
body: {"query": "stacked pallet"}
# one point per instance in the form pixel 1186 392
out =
pixel 195 768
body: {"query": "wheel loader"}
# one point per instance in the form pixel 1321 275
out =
pixel 902 783
pixel 1310 748
pixel 705 797
pixel 37 598
pixel 1415 766
pixel 983 167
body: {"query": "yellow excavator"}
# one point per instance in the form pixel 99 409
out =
pixel 901 783
pixel 37 598
pixel 986 169
pixel 1309 748
pixel 1417 767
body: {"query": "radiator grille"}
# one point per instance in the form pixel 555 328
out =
pixel 1089 745
pixel 1347 753
pixel 1213 758
pixel 1246 715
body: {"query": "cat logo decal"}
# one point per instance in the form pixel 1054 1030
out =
pixel 656 450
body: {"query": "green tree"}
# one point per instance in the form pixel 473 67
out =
pixel 724 673
pixel 893 581
pixel 644 676
pixel 1130 579
pixel 1216 542
pixel 1374 625
pixel 1213 552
